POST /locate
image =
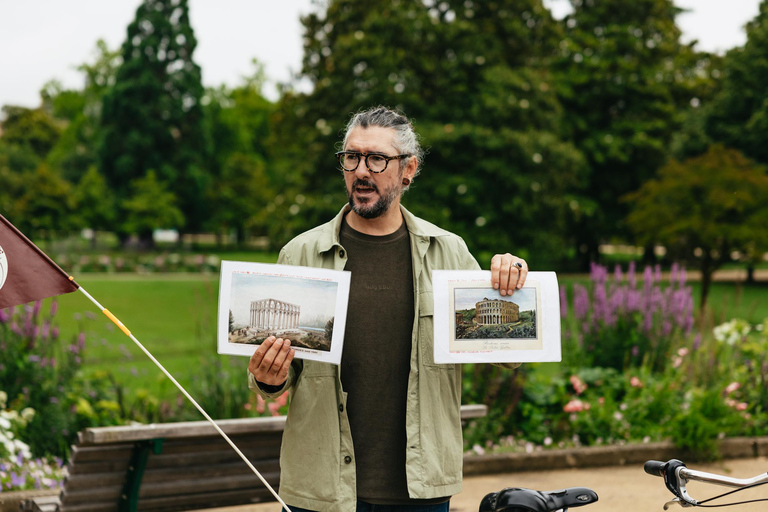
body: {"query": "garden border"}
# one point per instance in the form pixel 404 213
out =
pixel 603 456
pixel 544 460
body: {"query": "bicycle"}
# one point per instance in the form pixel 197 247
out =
pixel 517 499
pixel 676 476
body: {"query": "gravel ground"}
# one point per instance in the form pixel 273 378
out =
pixel 621 488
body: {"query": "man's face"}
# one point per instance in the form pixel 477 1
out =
pixel 372 194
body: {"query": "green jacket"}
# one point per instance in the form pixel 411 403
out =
pixel 317 459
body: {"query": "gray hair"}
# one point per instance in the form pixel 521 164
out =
pixel 406 139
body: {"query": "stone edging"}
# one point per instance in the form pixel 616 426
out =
pixel 596 456
pixel 11 501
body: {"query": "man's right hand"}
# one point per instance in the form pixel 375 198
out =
pixel 271 361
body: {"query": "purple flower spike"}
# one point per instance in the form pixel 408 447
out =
pixel 54 307
pixel 617 274
pixel 631 275
pixel 563 302
pixel 673 274
pixel 697 341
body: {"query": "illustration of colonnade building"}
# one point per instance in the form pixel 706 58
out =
pixel 274 314
pixel 494 311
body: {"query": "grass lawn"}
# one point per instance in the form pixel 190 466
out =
pixel 174 317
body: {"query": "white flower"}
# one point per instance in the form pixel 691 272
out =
pixel 3 399
pixel 732 332
pixel 28 413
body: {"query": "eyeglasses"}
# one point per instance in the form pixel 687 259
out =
pixel 375 162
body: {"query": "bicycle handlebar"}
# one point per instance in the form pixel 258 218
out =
pixel 655 467
pixel 676 476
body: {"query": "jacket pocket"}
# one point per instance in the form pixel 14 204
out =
pixel 309 457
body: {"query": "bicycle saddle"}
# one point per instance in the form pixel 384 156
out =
pixel 515 499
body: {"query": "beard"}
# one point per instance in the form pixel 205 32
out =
pixel 370 209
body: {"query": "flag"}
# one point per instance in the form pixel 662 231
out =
pixel 26 272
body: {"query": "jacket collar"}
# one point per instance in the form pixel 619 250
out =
pixel 416 227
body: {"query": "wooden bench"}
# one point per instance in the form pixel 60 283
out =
pixel 173 466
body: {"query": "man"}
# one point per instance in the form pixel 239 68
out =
pixel 382 429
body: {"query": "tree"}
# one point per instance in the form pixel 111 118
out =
pixel 95 202
pixel 739 117
pixel 704 208
pixel 152 117
pixel 46 202
pixel 622 76
pixel 474 77
pixel 238 120
pixel 80 110
pixel 150 206
pixel 33 129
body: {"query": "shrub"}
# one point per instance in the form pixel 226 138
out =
pixel 41 371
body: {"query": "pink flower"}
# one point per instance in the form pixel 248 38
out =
pixel 682 352
pixel 676 362
pixel 260 404
pixel 574 406
pixel 742 406
pixel 730 388
pixel 274 408
pixel 635 382
pixel 578 384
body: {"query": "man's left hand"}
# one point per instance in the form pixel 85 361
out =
pixel 508 273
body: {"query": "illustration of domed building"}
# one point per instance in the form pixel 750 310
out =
pixel 496 311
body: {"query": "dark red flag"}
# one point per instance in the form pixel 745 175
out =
pixel 26 272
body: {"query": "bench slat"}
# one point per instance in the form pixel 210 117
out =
pixel 177 489
pixel 101 435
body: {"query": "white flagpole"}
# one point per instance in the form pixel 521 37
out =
pixel 184 391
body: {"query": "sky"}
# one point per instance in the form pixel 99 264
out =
pixel 467 298
pixel 316 298
pixel 42 40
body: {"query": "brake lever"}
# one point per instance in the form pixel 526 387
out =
pixel 684 498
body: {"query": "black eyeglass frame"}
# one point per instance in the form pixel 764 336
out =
pixel 386 158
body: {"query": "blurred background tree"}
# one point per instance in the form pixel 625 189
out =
pixel 500 171
pixel 622 76
pixel 703 209
pixel 535 127
pixel 152 117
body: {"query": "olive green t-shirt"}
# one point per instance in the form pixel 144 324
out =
pixel 375 360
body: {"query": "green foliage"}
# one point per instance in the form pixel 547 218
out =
pixel 739 117
pixel 40 370
pixel 704 208
pixel 621 76
pixel 96 203
pixel 150 206
pixel 46 202
pixel 30 128
pixel 152 116
pixel 482 98
pixel 693 429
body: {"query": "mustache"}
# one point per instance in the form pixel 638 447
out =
pixel 364 183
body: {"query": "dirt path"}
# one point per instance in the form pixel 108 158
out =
pixel 622 488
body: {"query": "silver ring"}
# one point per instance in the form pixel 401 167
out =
pixel 518 264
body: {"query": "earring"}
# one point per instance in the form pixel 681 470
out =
pixel 406 181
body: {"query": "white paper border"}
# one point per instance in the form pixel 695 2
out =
pixel 549 318
pixel 341 277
